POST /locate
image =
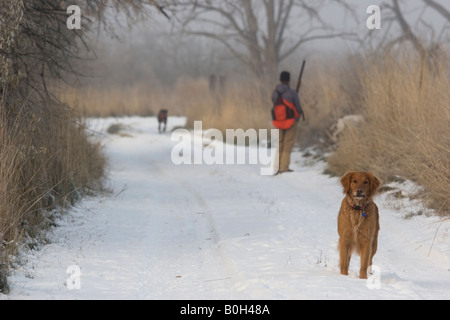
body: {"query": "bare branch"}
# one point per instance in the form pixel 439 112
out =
pixel 407 32
pixel 258 30
pixel 43 48
pixel 439 8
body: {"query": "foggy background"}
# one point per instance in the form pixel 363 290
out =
pixel 155 51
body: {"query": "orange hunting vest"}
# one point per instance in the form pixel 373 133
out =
pixel 284 113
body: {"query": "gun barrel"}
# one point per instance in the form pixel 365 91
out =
pixel 300 83
pixel 301 76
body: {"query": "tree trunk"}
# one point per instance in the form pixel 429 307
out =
pixel 252 39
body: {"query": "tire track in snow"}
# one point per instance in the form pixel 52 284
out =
pixel 199 213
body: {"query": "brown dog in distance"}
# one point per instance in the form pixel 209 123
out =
pixel 162 119
pixel 358 220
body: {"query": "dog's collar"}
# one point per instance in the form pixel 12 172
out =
pixel 359 208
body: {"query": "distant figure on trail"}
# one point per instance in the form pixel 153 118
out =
pixel 286 114
pixel 162 119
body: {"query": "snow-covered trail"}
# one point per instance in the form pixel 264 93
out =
pixel 222 232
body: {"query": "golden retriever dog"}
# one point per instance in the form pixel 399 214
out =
pixel 358 220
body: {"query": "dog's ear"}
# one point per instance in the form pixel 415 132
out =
pixel 375 183
pixel 346 181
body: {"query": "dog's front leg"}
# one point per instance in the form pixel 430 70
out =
pixel 366 253
pixel 345 254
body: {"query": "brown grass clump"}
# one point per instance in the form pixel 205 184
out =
pixel 46 163
pixel 406 127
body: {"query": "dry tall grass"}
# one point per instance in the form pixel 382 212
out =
pixel 140 99
pixel 406 107
pixel 46 162
pixel 239 106
pixel 329 92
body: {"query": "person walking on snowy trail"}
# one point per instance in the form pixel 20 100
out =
pixel 286 114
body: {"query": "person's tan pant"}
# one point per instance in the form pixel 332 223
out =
pixel 286 143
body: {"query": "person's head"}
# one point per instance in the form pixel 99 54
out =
pixel 285 77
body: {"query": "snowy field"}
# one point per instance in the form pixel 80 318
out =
pixel 202 232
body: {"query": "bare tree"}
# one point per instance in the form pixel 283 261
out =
pixel 407 33
pixel 261 34
pixel 36 45
pixel 396 15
